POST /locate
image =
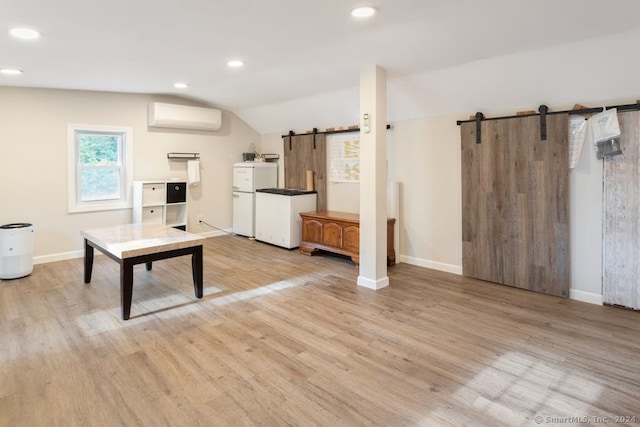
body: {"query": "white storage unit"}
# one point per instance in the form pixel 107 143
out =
pixel 160 202
pixel 16 250
pixel 278 215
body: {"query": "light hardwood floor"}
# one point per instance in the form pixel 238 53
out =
pixel 285 339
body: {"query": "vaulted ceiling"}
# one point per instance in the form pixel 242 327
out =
pixel 293 50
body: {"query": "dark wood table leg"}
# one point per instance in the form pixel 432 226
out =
pixel 196 267
pixel 149 266
pixel 88 261
pixel 126 287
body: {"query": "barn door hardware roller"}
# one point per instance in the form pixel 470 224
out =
pixel 315 132
pixel 543 121
pixel 479 119
pixel 290 139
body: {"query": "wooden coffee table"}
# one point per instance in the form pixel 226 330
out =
pixel 133 244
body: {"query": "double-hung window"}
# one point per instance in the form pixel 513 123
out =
pixel 100 167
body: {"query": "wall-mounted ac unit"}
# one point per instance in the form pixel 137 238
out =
pixel 184 117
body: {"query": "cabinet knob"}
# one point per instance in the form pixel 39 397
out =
pixel 151 211
pixel 153 188
pixel 177 187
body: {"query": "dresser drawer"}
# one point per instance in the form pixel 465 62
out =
pixel 152 215
pixel 176 192
pixel 153 194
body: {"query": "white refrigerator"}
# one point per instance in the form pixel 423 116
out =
pixel 247 178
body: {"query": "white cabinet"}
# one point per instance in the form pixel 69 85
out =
pixel 270 221
pixel 278 217
pixel 160 202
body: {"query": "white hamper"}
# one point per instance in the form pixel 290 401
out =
pixel 16 250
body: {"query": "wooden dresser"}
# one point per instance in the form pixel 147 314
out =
pixel 338 232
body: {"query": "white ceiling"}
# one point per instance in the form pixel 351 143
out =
pixel 293 49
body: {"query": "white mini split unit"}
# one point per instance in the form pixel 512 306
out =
pixel 183 117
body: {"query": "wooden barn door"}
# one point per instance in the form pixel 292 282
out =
pixel 515 204
pixel 302 154
pixel 621 248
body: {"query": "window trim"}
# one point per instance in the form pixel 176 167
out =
pixel 76 205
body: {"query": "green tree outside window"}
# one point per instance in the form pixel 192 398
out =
pixel 99 165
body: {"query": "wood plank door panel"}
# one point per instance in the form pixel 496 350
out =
pixel 515 204
pixel 301 156
pixel 621 251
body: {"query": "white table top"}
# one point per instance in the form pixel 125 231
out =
pixel 130 240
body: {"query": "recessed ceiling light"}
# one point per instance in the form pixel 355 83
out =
pixel 235 63
pixel 363 12
pixel 24 33
pixel 180 85
pixel 10 71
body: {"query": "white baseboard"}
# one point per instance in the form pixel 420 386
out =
pixel 373 284
pixel 449 268
pixel 43 259
pixel 215 233
pixel 574 294
pixel 583 296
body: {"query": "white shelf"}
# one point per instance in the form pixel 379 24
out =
pixel 160 202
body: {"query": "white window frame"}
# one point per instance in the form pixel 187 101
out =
pixel 73 170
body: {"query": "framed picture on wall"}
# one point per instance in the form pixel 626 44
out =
pixel 344 157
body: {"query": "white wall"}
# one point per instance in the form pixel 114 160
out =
pixel 273 144
pixel 341 196
pixel 423 153
pixel 33 161
pixel 424 144
pixel 590 72
pixel 424 157
pixel 586 226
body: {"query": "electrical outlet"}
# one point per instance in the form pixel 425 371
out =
pixel 199 218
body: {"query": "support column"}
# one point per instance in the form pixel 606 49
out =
pixel 373 178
